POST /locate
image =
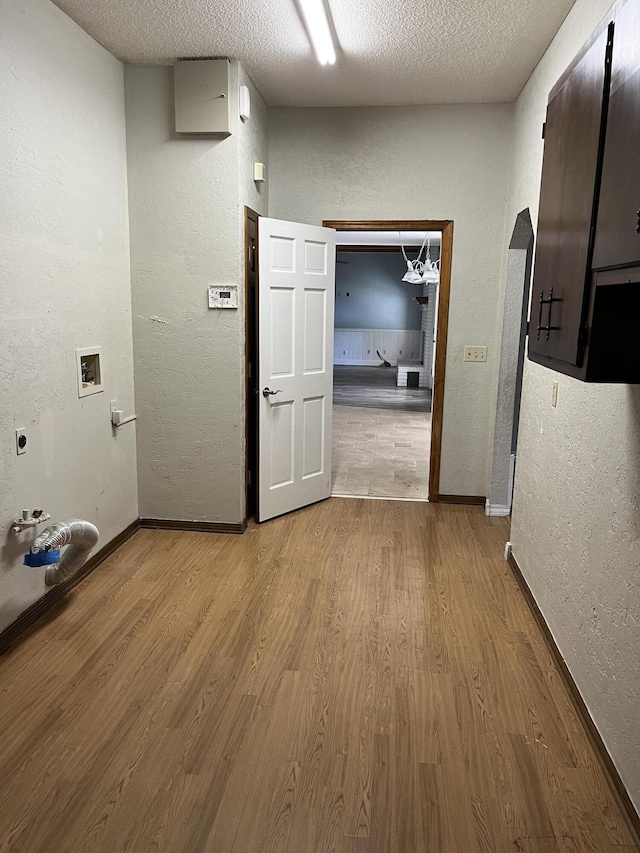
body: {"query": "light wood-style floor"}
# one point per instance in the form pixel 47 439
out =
pixel 359 677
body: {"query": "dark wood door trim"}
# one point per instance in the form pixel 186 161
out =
pixel 442 321
pixel 250 358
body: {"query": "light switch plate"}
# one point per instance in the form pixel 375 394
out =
pixel 223 296
pixel 475 353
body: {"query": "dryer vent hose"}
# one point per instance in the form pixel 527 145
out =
pixel 80 536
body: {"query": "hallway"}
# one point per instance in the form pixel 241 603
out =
pixel 359 676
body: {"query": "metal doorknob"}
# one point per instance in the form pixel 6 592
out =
pixel 267 392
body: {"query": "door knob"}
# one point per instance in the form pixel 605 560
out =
pixel 267 392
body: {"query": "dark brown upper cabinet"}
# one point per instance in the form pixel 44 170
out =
pixel 572 147
pixel 618 228
pixel 585 310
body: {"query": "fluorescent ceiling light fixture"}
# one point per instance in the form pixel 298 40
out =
pixel 319 31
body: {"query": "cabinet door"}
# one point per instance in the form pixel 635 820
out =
pixel 563 254
pixel 617 239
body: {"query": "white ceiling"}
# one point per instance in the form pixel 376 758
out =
pixel 390 51
pixel 386 238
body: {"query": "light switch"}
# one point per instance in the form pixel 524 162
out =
pixel 475 353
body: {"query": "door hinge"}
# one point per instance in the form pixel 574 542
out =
pixel 250 370
pixel 249 478
pixel 544 128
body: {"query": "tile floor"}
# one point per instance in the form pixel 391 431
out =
pixel 380 453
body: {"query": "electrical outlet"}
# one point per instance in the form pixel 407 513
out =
pixel 554 394
pixel 475 353
pixel 21 441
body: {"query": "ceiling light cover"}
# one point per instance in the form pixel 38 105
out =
pixel 319 31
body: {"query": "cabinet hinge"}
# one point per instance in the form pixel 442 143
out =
pixel 544 128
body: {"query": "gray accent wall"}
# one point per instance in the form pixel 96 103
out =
pixel 370 293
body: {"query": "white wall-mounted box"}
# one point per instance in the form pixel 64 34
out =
pixel 201 88
pixel 89 370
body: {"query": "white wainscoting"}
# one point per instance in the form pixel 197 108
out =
pixel 358 346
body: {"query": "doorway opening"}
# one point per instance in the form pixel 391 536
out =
pixel 389 350
pixel 288 428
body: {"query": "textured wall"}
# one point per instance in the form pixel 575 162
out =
pixel 64 283
pixel 253 147
pixel 577 494
pixel 186 198
pixel 421 163
pixel 378 298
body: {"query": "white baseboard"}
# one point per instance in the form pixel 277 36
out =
pixel 496 510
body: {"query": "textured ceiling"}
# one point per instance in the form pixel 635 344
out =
pixel 389 51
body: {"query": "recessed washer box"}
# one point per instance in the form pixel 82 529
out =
pixel 89 368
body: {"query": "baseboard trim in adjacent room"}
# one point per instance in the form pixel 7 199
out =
pixel 471 500
pixel 496 510
pixel 193 526
pixel 610 771
pixel 33 613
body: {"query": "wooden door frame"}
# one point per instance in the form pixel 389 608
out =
pixel 250 365
pixel 445 226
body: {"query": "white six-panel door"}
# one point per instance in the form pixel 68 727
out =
pixel 296 291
